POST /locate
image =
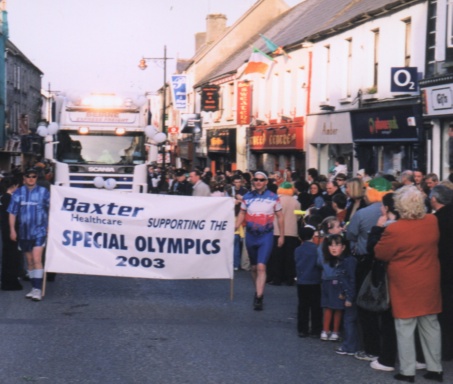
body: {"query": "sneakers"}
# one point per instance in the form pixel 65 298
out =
pixel 380 367
pixel 324 336
pixel 36 295
pixel 29 295
pixel 362 355
pixel 334 337
pixel 341 351
pixel 258 303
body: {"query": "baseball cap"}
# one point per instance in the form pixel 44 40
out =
pixel 30 171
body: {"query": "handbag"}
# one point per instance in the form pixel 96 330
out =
pixel 373 294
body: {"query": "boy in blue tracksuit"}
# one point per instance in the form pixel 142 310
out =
pixel 309 309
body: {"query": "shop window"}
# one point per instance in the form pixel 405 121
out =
pixel 391 159
pixel 340 150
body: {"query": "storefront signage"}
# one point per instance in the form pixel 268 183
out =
pixel 190 123
pixel 243 103
pixel 178 85
pixel 210 98
pixel 287 136
pixel 438 100
pixel 385 125
pixel 221 140
pixel 330 128
pixel 404 79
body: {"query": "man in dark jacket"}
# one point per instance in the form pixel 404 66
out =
pixel 181 185
pixel 441 198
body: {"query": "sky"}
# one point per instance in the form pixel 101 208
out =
pixel 85 46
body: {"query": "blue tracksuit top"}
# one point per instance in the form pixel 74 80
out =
pixel 307 269
pixel 31 208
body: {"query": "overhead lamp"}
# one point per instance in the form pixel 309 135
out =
pixel 84 130
pixel 120 131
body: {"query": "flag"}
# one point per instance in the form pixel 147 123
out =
pixel 259 62
pixel 274 48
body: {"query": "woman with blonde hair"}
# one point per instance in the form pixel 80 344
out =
pixel 414 282
pixel 355 190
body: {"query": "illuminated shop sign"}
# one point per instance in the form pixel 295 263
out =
pixel 393 124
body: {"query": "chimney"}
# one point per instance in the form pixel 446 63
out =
pixel 200 39
pixel 215 26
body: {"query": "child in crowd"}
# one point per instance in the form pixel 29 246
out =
pixel 345 271
pixel 329 226
pixel 313 220
pixel 330 288
pixel 309 310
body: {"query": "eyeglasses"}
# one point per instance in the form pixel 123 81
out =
pixel 31 177
pixel 260 180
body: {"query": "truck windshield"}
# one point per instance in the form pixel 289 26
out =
pixel 101 148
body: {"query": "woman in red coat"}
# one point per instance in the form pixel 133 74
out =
pixel 410 248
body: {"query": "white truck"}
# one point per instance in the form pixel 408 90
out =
pixel 101 141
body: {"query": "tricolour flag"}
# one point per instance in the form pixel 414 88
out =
pixel 259 62
pixel 274 48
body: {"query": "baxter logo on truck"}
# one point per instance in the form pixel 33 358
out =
pixel 73 205
pixel 101 169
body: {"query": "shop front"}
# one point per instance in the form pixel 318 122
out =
pixel 275 147
pixel 221 144
pixel 185 153
pixel 329 137
pixel 437 98
pixel 388 140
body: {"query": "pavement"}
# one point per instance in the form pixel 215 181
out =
pixel 91 329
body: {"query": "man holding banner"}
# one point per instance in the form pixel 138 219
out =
pixel 258 208
pixel 30 206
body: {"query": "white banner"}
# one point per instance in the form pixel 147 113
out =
pixel 97 232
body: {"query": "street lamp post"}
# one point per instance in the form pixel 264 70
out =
pixel 143 66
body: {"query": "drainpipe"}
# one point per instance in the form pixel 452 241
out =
pixel 3 40
pixel 310 63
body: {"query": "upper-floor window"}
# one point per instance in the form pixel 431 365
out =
pixel 301 83
pixel 327 76
pixel 407 42
pixel 348 66
pixel 375 58
pixel 230 102
pixel 16 76
pixel 275 103
pixel 287 92
pixel 450 25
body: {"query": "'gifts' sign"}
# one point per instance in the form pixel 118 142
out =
pixel 243 104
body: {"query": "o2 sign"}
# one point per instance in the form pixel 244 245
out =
pixel 404 79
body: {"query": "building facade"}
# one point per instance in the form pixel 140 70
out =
pixel 437 88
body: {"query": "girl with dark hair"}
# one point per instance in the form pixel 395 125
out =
pixel 338 293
